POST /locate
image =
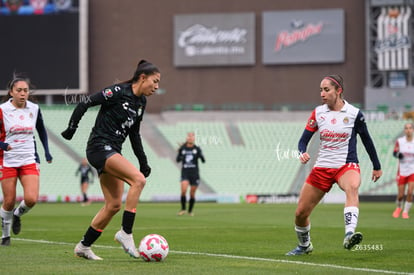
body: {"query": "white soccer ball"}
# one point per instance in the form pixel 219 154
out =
pixel 153 248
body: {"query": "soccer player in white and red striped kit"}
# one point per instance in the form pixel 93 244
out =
pixel 404 151
pixel 19 118
pixel 338 123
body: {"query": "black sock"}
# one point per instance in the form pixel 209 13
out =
pixel 91 236
pixel 192 202
pixel 85 197
pixel 128 221
pixel 183 200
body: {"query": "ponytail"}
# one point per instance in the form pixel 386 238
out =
pixel 143 67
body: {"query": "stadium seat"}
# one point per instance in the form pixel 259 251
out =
pixel 263 161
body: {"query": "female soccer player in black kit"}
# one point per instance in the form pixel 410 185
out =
pixel 85 170
pixel 188 154
pixel 120 115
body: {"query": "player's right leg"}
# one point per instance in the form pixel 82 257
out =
pixel 408 200
pixel 400 198
pixel 183 197
pixel 8 184
pixel 6 220
pixel 308 199
pixel 193 188
pixel 112 189
pixel 119 170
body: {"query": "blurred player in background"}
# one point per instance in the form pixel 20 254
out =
pixel 120 115
pixel 188 154
pixel 338 123
pixel 19 118
pixel 404 151
pixel 84 170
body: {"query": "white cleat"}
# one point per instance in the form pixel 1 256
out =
pixel 127 242
pixel 86 252
pixel 352 239
pixel 300 250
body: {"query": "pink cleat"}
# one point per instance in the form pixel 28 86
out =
pixel 396 212
pixel 405 215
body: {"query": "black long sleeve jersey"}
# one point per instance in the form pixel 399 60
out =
pixel 84 171
pixel 120 115
pixel 189 157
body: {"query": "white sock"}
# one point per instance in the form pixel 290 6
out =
pixel 407 206
pixel 22 209
pixel 7 218
pixel 303 234
pixel 351 218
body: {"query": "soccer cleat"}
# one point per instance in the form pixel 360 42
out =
pixel 5 241
pixel 352 239
pixel 396 212
pixel 300 250
pixel 86 203
pixel 127 242
pixel 85 252
pixel 16 225
pixel 191 214
pixel 182 212
pixel 405 215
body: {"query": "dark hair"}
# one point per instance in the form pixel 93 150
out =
pixel 143 67
pixel 16 78
pixel 336 80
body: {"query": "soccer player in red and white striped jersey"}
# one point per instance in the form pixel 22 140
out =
pixel 338 123
pixel 19 118
pixel 404 151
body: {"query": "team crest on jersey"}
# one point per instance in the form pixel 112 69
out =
pixel 333 121
pixel 107 93
pixel 21 117
pixel 31 115
pixel 194 151
pixel 346 120
pixel 312 123
pixel 140 111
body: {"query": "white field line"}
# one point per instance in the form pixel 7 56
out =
pixel 237 257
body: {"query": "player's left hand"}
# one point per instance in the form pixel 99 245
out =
pixel 145 170
pixel 304 157
pixel 376 174
pixel 49 157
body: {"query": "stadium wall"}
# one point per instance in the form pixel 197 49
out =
pixel 122 32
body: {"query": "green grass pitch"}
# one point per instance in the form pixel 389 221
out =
pixel 219 239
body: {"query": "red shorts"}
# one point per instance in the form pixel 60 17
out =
pixel 14 172
pixel 402 180
pixel 324 178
